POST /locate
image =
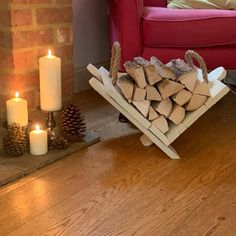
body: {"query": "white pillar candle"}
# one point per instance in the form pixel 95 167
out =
pixel 50 82
pixel 17 111
pixel 38 141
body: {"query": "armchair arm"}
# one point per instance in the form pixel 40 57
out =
pixel 125 26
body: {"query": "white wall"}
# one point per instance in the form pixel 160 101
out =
pixel 91 41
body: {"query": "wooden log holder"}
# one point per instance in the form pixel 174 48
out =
pixel 162 101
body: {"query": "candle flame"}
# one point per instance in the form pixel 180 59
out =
pixel 49 53
pixel 37 127
pixel 17 94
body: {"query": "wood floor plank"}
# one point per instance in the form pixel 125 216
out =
pixel 74 175
pixel 118 187
pixel 110 204
pixel 215 216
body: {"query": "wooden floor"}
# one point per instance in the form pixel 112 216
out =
pixel 118 187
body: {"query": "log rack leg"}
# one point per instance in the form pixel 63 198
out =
pixel 169 150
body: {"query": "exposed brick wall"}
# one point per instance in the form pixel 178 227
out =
pixel 28 28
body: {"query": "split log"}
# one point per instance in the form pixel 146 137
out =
pixel 202 88
pixel 161 124
pixel 168 88
pixel 150 70
pixel 139 94
pixel 146 141
pixel 152 114
pixel 137 73
pixel 164 107
pixel 177 115
pixel 195 102
pixel 143 107
pixel 126 85
pixel 185 74
pixel 162 69
pixel 182 97
pixel 152 93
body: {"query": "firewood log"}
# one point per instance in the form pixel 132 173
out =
pixel 182 97
pixel 177 115
pixel 202 88
pixel 152 76
pixel 152 93
pixel 162 69
pixel 147 142
pixel 139 94
pixel 152 114
pixel 164 107
pixel 143 107
pixel 137 73
pixel 161 124
pixel 185 74
pixel 195 102
pixel 168 88
pixel 126 85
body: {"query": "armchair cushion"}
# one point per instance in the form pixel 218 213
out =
pixel 163 27
pixel 155 3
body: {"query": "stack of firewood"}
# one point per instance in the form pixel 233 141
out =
pixel 163 93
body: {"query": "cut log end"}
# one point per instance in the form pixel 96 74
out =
pixel 177 115
pixel 161 124
pixel 164 107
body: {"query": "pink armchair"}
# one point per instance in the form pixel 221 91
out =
pixel 148 28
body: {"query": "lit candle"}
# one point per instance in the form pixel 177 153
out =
pixel 38 141
pixel 17 111
pixel 50 82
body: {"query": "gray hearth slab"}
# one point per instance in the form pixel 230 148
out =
pixel 14 168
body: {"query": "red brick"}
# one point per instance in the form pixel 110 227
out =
pixel 54 15
pixel 64 52
pixel 24 60
pixel 5 18
pixel 64 35
pixel 21 17
pixel 5 39
pixel 67 71
pixel 24 39
pixel 19 82
pixel 64 1
pixel 6 60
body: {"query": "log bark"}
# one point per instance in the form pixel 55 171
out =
pixel 162 69
pixel 152 114
pixel 152 93
pixel 168 88
pixel 177 115
pixel 152 75
pixel 143 107
pixel 164 107
pixel 182 97
pixel 139 94
pixel 161 124
pixel 126 86
pixel 137 73
pixel 195 102
pixel 184 73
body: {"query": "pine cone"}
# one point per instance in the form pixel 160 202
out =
pixel 72 125
pixel 61 143
pixel 16 142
